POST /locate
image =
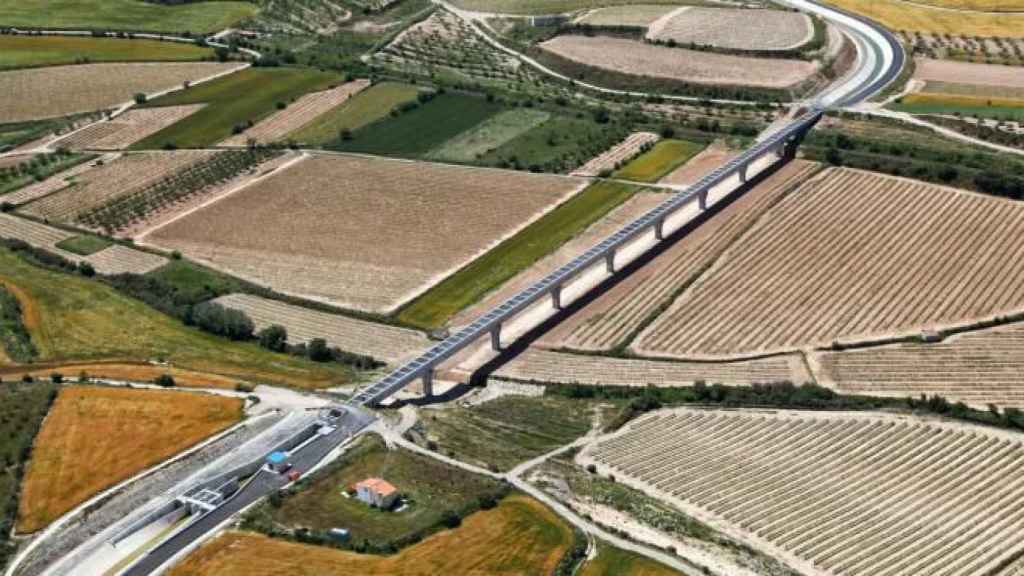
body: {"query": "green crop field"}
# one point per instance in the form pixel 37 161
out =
pixel 430 488
pixel 129 15
pixel 233 100
pixel 489 135
pixel 664 157
pixel 71 318
pixel 364 108
pixel 964 105
pixel 22 409
pixel 557 145
pixel 618 562
pixel 28 51
pixel 84 245
pixel 542 237
pixel 502 433
pixel 415 132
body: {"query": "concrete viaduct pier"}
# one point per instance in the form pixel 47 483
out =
pixel 532 306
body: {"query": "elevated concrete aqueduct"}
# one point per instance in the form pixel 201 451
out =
pixel 528 308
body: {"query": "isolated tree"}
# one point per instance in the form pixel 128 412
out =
pixel 140 98
pixel 274 338
pixel 318 351
pixel 165 380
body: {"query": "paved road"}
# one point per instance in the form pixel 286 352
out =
pixel 261 485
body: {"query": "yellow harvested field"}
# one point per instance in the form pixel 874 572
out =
pixel 930 70
pixel 901 15
pixel 518 537
pixel 362 232
pixel 44 92
pixel 95 437
pixel 633 57
pixel 545 366
pixel 977 368
pixel 851 256
pixel 736 28
pixel 120 177
pixel 963 100
pixel 298 114
pixel 612 318
pixel 126 129
pixel 834 493
pixel 117 370
pixel 381 341
pixel 978 5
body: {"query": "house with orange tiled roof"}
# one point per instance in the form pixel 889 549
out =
pixel 377 492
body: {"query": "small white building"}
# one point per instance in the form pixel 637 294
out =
pixel 377 492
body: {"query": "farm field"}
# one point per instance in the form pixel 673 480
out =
pixel 836 492
pixel 617 155
pixel 303 111
pixel 332 255
pixel 472 144
pixel 105 259
pixel 977 90
pixel 114 370
pixel 95 437
pixel 22 409
pixel 983 106
pixel 636 58
pixel 545 366
pixel 512 256
pixel 560 144
pixel 612 319
pixel 978 5
pixel 711 157
pixel 637 205
pixel 617 562
pixel 73 320
pixel 131 15
pixel 431 488
pixel 520 536
pixel 234 101
pixel 978 368
pixel 31 51
pixel 638 16
pixel 931 70
pixel 824 266
pixel 666 156
pixel 501 433
pixel 370 105
pixel 388 343
pixel 913 17
pixel 416 132
pixel 127 129
pixel 25 171
pixel 547 6
pixel 737 28
pixel 121 177
pixel 40 92
pixel 84 245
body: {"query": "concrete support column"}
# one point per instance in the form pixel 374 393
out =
pixel 428 381
pixel 702 201
pixel 556 297
pixel 609 261
pixel 790 149
pixel 659 230
pixel 743 173
pixel 496 338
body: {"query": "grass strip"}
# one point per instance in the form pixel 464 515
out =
pixel 234 102
pixel 664 157
pixel 468 285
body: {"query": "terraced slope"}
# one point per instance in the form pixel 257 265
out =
pixel 836 493
pixel 977 368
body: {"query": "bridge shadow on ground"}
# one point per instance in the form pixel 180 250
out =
pixel 479 378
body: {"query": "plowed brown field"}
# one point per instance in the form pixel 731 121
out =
pixel 851 256
pixel 362 232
